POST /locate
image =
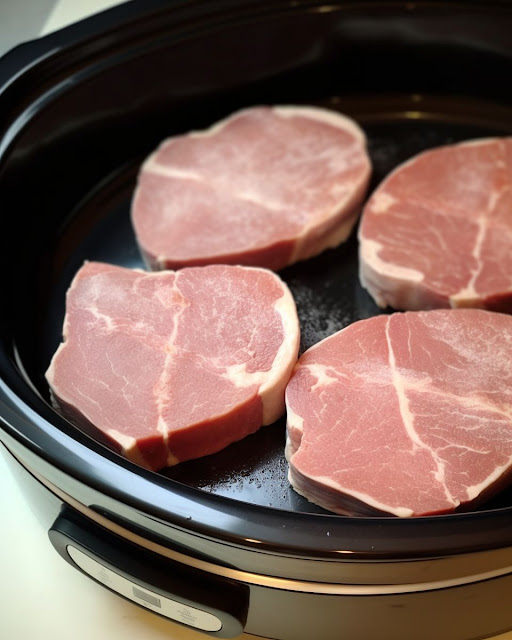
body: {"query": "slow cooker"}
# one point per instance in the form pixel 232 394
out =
pixel 223 544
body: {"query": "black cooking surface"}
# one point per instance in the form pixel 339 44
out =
pixel 326 288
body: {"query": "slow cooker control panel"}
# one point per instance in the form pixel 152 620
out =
pixel 181 593
pixel 155 601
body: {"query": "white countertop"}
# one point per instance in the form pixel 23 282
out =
pixel 24 20
pixel 42 596
pixel 67 11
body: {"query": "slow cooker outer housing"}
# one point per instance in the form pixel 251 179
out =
pixel 86 102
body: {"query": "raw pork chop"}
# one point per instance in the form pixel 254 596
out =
pixel 407 414
pixel 438 231
pixel 172 366
pixel 267 187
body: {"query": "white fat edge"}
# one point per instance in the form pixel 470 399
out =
pixel 132 451
pixel 129 446
pixel 369 257
pixel 169 171
pixel 289 449
pixel 126 442
pixel 273 389
pixel 351 201
pixel 294 420
pixel 476 142
pixel 212 130
pixel 161 261
pixel 272 383
pixel 475 490
pixel 159 275
pixel 402 512
pixel 296 423
pixel 466 298
pixel 147 166
pixel 339 235
pixel 328 116
pixel 216 127
pixel 333 118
